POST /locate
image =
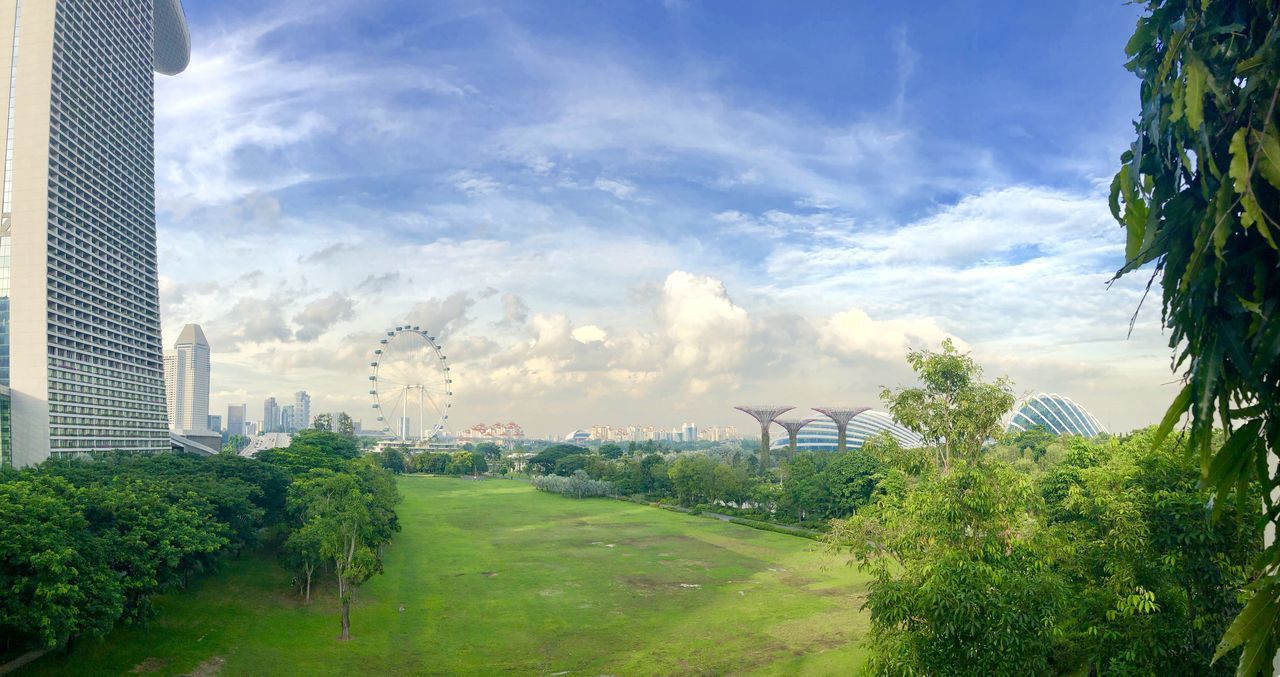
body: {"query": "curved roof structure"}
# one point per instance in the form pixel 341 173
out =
pixel 171 41
pixel 821 435
pixel 1056 413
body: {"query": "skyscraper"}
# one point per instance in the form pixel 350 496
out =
pixel 286 419
pixel 79 311
pixel 187 381
pixel 235 419
pixel 271 416
pixel 301 410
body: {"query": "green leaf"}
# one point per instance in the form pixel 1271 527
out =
pixel 1239 172
pixel 1173 415
pixel 1269 157
pixel 1233 459
pixel 1194 98
pixel 1253 628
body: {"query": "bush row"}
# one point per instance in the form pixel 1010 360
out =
pixel 578 485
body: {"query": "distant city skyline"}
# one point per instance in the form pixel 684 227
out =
pixel 662 218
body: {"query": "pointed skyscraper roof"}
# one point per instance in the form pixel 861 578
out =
pixel 192 334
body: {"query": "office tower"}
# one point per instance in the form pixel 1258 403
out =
pixel 271 416
pixel 301 410
pixel 235 419
pixel 189 367
pixel 286 419
pixel 215 423
pixel 689 432
pixel 79 307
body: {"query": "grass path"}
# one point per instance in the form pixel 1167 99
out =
pixel 495 577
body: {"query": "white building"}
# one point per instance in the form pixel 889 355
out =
pixel 301 411
pixel 79 301
pixel 187 381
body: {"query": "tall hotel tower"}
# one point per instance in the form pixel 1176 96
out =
pixel 80 356
pixel 186 373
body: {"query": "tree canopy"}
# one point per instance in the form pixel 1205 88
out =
pixel 1198 194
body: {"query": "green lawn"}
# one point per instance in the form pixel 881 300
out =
pixel 492 576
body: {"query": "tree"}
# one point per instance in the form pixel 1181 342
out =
pixel 693 477
pixel 323 422
pixel 488 451
pixel 348 513
pixel 304 552
pixel 568 465
pixel 1198 194
pixel 463 463
pixel 610 450
pixel 234 444
pixel 545 460
pixel 393 459
pixel 1154 578
pixel 953 410
pixel 960 585
pixel 346 427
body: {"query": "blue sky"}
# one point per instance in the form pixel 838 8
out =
pixel 647 212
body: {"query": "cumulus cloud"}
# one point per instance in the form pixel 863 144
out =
pixel 319 315
pixel 254 320
pixel 708 332
pixel 853 332
pixel 442 316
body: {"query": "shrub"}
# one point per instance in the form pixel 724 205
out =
pixel 578 485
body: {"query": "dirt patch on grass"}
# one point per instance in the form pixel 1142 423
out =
pixel 208 668
pixel 643 585
pixel 150 665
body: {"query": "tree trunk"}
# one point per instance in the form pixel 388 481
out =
pixel 309 570
pixel 346 619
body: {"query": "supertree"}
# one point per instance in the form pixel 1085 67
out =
pixel 841 416
pixel 793 426
pixel 765 414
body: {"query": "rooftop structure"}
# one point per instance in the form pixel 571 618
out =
pixel 765 415
pixel 80 343
pixel 823 434
pixel 1056 413
pixel 841 416
pixel 793 427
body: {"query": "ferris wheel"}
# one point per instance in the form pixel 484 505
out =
pixel 410 384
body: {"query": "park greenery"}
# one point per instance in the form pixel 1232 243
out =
pixel 1198 193
pixel 577 485
pixel 492 577
pixel 87 544
pixel 990 553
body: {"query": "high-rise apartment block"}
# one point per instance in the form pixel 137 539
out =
pixel 301 410
pixel 80 351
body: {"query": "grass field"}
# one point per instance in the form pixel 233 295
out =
pixel 491 576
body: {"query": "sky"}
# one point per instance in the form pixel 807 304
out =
pixel 648 212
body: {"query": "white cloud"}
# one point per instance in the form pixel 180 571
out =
pixel 853 331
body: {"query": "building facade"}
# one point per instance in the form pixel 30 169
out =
pixel 187 381
pixel 301 411
pixel 822 434
pixel 1056 413
pixel 79 302
pixel 271 416
pixel 236 419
